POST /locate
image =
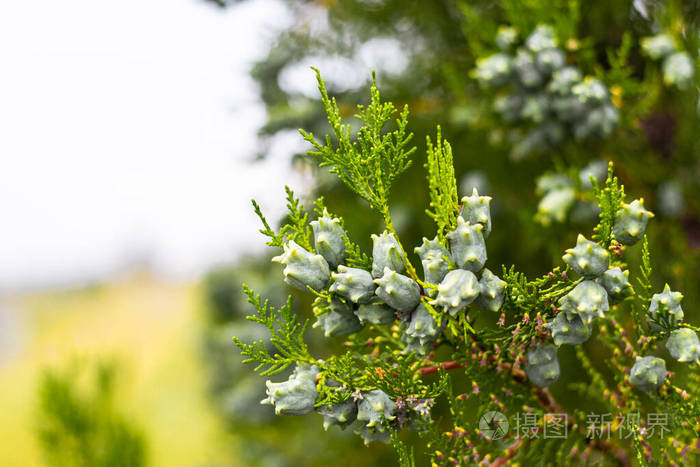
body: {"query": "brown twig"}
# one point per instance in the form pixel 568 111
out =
pixel 429 370
pixel 510 452
pixel 548 403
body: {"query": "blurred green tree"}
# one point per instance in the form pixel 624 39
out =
pixel 79 425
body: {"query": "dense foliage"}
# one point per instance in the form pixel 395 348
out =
pixel 79 424
pixel 400 327
pixel 535 98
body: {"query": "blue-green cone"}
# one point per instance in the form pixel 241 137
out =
pixel 535 108
pixel 587 258
pixel 435 267
pixel 476 210
pixel 458 289
pixel 549 60
pixel 542 38
pixel 506 36
pixel 670 300
pixel 370 434
pixel 679 70
pixel 422 331
pixel 335 318
pixel 670 201
pixel 683 345
pixel 587 300
pixel 355 284
pixel 302 268
pixel 631 222
pixel 398 291
pixel 659 46
pixel 648 373
pixel 559 196
pixel 508 107
pixel 569 329
pixel 414 345
pixel 554 206
pixel 386 253
pixel 526 69
pixel 342 414
pixel 568 108
pixel 375 407
pixel 542 366
pixel 494 70
pixel 597 169
pixel 297 395
pixel 599 122
pixel 491 291
pixel 467 245
pixel 563 80
pixel 375 313
pixel 590 91
pixel 329 238
pixel 616 282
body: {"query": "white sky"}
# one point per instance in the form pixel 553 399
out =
pixel 124 130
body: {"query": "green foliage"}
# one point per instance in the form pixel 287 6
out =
pixel 442 185
pixel 370 164
pixel 79 425
pixel 404 453
pixel 610 198
pixel 396 375
pixel 287 337
pixel 379 360
pixel 655 143
pixel 644 290
pixel 356 257
pixel 296 228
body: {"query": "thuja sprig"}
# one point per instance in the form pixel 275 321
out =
pixel 296 228
pixel 403 452
pixel 393 324
pixel 396 375
pixel 444 202
pixel 369 164
pixel 369 161
pixel 645 270
pixel 287 336
pixel 610 198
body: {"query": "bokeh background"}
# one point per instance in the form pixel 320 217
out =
pixel 134 135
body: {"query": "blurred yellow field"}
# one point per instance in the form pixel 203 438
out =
pixel 150 328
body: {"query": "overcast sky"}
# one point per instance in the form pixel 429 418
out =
pixel 125 130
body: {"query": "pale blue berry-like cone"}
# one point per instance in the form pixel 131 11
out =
pixel 467 245
pixel 398 291
pixel 335 318
pixel 631 222
pixel 670 301
pixel 477 210
pixel 329 239
pixel 587 300
pixel 587 258
pixel 302 268
pixel 683 345
pixel 386 253
pixel 542 366
pixel 648 373
pixel 491 291
pixel 357 285
pixel 458 289
pixel 297 395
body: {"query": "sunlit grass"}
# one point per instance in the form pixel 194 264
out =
pixel 151 329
